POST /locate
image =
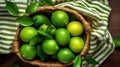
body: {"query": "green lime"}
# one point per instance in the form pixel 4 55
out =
pixel 27 33
pixel 60 18
pixel 65 55
pixel 39 19
pixel 28 52
pixel 62 36
pixel 50 47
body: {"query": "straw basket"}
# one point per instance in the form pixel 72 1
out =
pixel 47 10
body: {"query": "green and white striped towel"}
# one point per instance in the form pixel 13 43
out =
pixel 8 26
pixel 101 43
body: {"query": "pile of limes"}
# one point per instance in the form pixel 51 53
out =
pixel 53 36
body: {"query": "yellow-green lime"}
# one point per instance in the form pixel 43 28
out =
pixel 76 44
pixel 75 28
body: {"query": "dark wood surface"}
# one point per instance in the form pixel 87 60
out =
pixel 114 27
pixel 114 19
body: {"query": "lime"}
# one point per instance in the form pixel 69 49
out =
pixel 39 19
pixel 65 55
pixel 50 47
pixel 76 44
pixel 60 18
pixel 28 52
pixel 75 28
pixel 62 36
pixel 27 33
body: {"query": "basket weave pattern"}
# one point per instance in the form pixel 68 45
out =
pixel 49 9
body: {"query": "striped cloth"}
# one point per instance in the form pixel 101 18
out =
pixel 97 12
pixel 8 26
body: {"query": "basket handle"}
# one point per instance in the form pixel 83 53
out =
pixel 88 33
pixel 16 41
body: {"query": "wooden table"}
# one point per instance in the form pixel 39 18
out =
pixel 114 27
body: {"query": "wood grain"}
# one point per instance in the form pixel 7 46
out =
pixel 114 27
pixel 114 19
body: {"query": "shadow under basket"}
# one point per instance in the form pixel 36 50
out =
pixel 48 10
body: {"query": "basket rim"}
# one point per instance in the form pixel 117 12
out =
pixel 16 42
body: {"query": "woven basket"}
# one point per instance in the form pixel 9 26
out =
pixel 47 10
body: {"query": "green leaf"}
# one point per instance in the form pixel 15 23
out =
pixel 41 54
pixel 32 7
pixel 47 22
pixel 46 3
pixel 90 60
pixel 25 21
pixel 116 41
pixel 42 32
pixel 46 35
pixel 35 40
pixel 50 29
pixel 77 61
pixel 12 8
